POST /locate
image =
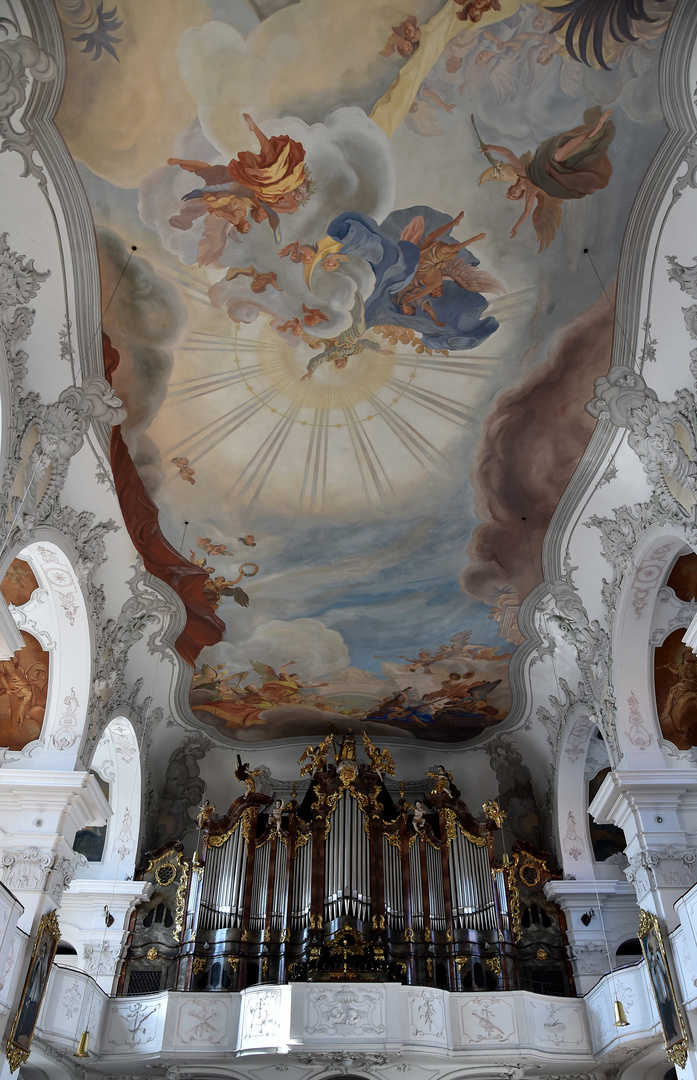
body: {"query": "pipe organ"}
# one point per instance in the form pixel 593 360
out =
pixel 347 881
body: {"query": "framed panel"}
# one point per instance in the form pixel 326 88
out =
pixel 24 1024
pixel 674 1033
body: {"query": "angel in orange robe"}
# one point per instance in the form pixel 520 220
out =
pixel 274 181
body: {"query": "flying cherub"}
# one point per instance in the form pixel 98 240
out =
pixel 247 540
pixel 299 253
pixel 204 542
pixel 313 316
pixel 259 280
pixel 185 471
pixel 473 10
pixel 404 38
pixel 438 260
pixel 201 563
pixel 567 166
pixel 290 326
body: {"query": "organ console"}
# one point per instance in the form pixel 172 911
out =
pixel 347 881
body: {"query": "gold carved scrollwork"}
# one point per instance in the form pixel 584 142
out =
pixel 180 903
pixel 218 841
pixel 301 839
pixel 647 922
pixel 494 964
pixel 677 1054
pixel 200 963
pixel 246 820
pixel 452 822
pixel 493 813
pixel 514 897
pixel 165 873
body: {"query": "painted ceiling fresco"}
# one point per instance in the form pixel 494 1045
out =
pixel 376 244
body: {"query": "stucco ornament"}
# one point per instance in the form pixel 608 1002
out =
pixel 20 59
pixel 686 276
pixel 618 393
pixel 661 433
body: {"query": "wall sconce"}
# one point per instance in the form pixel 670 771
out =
pixel 587 916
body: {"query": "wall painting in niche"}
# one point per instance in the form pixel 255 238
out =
pixel 675 676
pixel 23 689
pixel 18 583
pixel 675 667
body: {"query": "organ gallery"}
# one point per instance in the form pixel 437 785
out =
pixel 349 879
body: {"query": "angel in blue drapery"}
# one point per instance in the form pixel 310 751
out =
pixel 425 280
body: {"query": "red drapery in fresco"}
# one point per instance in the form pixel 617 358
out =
pixel 203 627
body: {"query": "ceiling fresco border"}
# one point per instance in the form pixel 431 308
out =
pixel 679 114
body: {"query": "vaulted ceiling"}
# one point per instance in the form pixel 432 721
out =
pixel 358 265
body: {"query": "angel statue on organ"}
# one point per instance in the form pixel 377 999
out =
pixel 261 186
pixel 567 166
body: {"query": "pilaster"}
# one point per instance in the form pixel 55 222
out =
pixel 83 923
pixel 657 811
pixel 40 813
pixel 614 916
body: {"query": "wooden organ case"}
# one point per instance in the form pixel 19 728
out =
pixel 347 883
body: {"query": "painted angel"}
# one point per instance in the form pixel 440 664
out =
pixel 207 545
pixel 438 260
pixel 404 38
pixel 567 166
pixel 350 343
pixel 261 186
pixel 472 10
pixel 259 281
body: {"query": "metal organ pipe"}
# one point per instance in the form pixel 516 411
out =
pixel 436 895
pixel 302 885
pixel 260 880
pixel 472 886
pixel 279 884
pixel 347 863
pixel 417 901
pixel 222 890
pixel 394 902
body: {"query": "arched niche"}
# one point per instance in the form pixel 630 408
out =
pixel 55 615
pixel 674 664
pixel 116 763
pixel 639 737
pixel 582 757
